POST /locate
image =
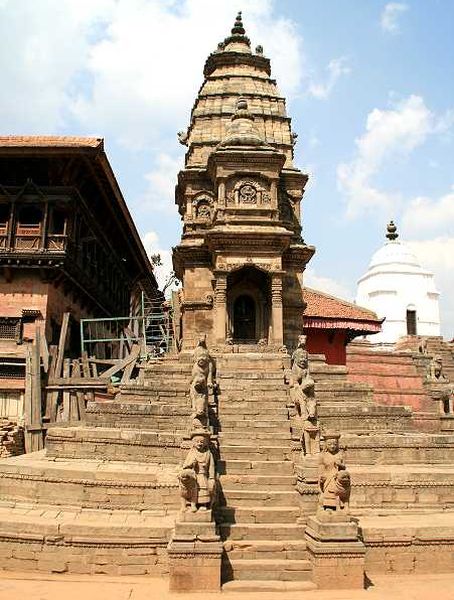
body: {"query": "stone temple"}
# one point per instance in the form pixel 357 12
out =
pixel 240 459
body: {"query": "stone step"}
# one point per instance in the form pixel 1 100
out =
pixel 267 549
pixel 248 410
pixel 251 585
pixel 253 498
pixel 242 374
pixel 244 467
pixel 272 569
pixel 50 539
pixel 259 514
pixel 35 478
pixel 247 406
pixel 399 448
pixel 261 531
pixel 151 416
pixel 256 386
pixel 109 443
pixel 406 487
pixel 254 436
pixel 263 452
pixel 160 395
pixel 258 482
pixel 250 427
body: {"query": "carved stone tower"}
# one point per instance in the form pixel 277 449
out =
pixel 241 255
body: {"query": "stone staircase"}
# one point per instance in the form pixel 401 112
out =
pixel 264 543
pixel 103 496
pixel 118 470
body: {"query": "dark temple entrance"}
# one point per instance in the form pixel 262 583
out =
pixel 244 318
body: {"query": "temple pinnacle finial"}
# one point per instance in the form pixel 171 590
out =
pixel 238 28
pixel 391 231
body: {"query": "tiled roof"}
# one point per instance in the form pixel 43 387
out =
pixel 322 305
pixel 48 141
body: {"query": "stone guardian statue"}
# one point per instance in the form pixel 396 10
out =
pixel 197 476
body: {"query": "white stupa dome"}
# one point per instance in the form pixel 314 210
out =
pixel 394 253
pixel 396 287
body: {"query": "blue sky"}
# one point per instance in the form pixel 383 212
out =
pixel 369 86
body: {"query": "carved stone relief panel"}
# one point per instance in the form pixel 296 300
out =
pixel 202 208
pixel 248 192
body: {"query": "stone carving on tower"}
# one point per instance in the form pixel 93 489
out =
pixel 239 198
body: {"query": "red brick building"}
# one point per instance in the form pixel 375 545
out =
pixel 331 323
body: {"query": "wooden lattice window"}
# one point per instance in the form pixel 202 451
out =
pixel 10 328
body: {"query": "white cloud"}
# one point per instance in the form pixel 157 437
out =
pixel 427 217
pixel 43 46
pixel 336 68
pixel 146 70
pixel 396 131
pixel 437 255
pixel 326 284
pixel 161 180
pixel 390 16
pixel 152 246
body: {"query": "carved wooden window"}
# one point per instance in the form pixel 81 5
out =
pixel 57 222
pixel 4 218
pixel 10 328
pixel 29 220
pixel 411 322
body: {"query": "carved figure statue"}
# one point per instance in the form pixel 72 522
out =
pixel 202 383
pixel 197 477
pixel 334 479
pixel 436 370
pixel 302 393
pixel 423 346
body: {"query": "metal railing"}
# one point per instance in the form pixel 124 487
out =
pixel 112 337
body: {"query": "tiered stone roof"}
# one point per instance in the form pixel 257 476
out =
pixel 233 70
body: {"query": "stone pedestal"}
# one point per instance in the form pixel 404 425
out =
pixel 308 468
pixel 195 552
pixel 336 552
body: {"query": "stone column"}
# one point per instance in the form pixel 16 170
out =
pixel 276 309
pixel 220 307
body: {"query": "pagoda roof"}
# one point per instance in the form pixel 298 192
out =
pixel 324 311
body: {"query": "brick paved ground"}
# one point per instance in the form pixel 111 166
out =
pixel 15 586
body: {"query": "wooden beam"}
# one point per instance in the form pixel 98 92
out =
pixel 36 398
pixel 28 398
pixel 66 394
pixel 121 364
pixel 80 400
pixel 44 351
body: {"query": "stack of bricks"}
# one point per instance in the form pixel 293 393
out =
pixel 11 439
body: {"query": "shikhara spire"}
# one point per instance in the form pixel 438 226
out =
pixel 231 72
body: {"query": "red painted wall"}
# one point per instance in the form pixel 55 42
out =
pixel 328 342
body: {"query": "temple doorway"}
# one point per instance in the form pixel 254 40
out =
pixel 248 304
pixel 244 316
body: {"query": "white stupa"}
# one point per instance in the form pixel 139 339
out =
pixel 396 287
